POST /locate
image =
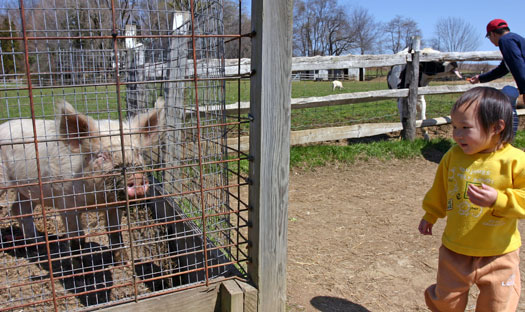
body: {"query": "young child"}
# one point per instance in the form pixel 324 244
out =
pixel 480 188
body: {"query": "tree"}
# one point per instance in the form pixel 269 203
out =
pixel 454 34
pixel 366 31
pixel 231 26
pixel 11 51
pixel 399 31
pixel 321 27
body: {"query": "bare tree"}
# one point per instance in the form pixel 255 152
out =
pixel 399 31
pixel 232 26
pixel 321 27
pixel 454 34
pixel 366 31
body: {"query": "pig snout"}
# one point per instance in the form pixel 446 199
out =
pixel 137 186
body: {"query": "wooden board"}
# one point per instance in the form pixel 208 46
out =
pixel 202 299
pixel 232 297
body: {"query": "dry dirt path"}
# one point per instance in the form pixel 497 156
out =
pixel 353 243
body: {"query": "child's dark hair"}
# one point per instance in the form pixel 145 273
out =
pixel 493 106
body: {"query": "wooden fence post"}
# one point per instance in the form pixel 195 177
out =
pixel 177 67
pixel 410 103
pixel 270 108
pixel 135 90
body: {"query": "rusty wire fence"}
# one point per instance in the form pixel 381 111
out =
pixel 116 180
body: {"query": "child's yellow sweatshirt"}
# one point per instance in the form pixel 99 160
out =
pixel 472 230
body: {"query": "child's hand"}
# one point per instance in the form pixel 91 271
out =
pixel 425 228
pixel 483 195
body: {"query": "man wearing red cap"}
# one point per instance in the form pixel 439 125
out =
pixel 512 47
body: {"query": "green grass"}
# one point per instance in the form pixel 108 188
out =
pixel 343 115
pixel 101 102
pixel 320 155
pixel 314 156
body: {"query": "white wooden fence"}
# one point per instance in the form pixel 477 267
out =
pixel 363 61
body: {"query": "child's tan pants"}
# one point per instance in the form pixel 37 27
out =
pixel 498 279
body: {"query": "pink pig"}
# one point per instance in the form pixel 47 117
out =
pixel 81 163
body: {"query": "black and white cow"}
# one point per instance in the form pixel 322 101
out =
pixel 427 72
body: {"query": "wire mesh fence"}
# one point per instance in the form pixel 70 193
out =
pixel 116 180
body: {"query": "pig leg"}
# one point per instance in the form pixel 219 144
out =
pixel 115 238
pixel 73 226
pixel 24 208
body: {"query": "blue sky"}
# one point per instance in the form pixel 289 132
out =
pixel 427 13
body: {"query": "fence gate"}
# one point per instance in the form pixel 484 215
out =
pixel 116 181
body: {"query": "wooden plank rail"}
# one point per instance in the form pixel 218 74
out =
pixel 348 132
pixel 359 97
pixel 328 62
pixel 364 61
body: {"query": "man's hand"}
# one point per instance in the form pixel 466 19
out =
pixel 474 79
pixel 520 102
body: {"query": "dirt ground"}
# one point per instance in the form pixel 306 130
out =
pixel 353 243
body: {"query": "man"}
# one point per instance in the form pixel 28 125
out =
pixel 512 47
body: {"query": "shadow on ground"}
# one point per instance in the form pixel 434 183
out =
pixel 86 273
pixel 334 304
pixel 434 150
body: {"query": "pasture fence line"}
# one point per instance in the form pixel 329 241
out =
pixel 366 61
pixel 365 129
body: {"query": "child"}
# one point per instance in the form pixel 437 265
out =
pixel 480 188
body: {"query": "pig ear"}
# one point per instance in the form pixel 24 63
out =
pixel 76 127
pixel 151 123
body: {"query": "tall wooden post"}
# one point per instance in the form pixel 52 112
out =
pixel 135 90
pixel 410 104
pixel 270 107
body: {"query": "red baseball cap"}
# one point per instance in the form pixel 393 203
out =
pixel 496 24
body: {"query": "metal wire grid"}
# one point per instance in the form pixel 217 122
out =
pixel 112 60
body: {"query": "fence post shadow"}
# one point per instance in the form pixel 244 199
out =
pixel 335 304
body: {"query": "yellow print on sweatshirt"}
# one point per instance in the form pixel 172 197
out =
pixel 465 208
pixel 465 196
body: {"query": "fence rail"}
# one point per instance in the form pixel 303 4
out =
pixel 367 129
pixel 366 61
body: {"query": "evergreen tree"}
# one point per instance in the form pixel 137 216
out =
pixel 11 51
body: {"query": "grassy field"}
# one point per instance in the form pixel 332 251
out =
pixel 14 103
pixel 319 155
pixel 101 102
pixel 343 115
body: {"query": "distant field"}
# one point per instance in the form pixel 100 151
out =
pixel 101 102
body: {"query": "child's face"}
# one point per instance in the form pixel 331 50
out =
pixel 469 134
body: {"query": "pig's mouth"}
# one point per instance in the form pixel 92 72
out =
pixel 136 186
pixel 131 189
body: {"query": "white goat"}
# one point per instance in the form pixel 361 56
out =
pixel 85 156
pixel 336 84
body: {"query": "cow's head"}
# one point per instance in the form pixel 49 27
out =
pixel 439 69
pixel 436 69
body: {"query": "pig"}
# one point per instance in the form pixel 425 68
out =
pixel 82 165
